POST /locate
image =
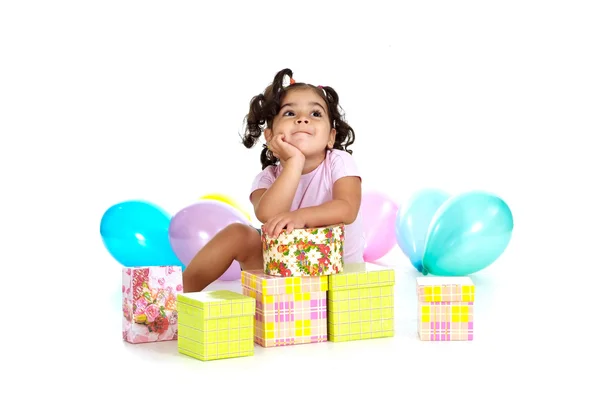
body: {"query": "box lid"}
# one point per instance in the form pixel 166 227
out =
pixel 445 288
pixel 268 285
pixel 219 303
pixel 362 275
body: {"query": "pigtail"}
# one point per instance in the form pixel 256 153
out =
pixel 262 110
pixel 277 90
pixel 344 133
pixel 255 120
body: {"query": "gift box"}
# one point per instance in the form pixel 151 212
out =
pixel 215 324
pixel 445 308
pixel 304 252
pixel 360 303
pixel 150 303
pixel 290 310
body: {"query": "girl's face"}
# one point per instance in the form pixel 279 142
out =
pixel 304 122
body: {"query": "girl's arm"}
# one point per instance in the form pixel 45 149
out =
pixel 342 209
pixel 279 196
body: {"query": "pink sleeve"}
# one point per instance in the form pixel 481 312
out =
pixel 264 179
pixel 342 164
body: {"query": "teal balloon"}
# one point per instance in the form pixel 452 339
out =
pixel 136 233
pixel 468 233
pixel 413 221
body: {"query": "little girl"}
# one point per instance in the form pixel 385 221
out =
pixel 308 178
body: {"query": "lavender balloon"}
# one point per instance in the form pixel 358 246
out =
pixel 379 214
pixel 194 226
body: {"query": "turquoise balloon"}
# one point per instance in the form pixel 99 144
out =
pixel 413 221
pixel 468 233
pixel 136 233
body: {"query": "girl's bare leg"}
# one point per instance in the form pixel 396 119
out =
pixel 235 242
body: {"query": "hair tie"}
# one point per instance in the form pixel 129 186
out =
pixel 292 81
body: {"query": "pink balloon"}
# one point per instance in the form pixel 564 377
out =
pixel 194 226
pixel 379 214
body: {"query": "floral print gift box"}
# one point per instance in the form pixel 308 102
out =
pixel 150 303
pixel 304 252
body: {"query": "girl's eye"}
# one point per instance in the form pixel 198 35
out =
pixel 317 114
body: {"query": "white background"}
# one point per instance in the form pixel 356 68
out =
pixel 107 101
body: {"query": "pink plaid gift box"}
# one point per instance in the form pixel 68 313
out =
pixel 150 303
pixel 289 310
pixel 445 308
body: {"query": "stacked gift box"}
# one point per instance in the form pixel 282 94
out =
pixel 445 308
pixel 291 289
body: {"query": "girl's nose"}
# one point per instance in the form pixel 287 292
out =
pixel 302 120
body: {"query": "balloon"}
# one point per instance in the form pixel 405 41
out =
pixel 468 233
pixel 227 200
pixel 136 233
pixel 194 226
pixel 378 213
pixel 412 223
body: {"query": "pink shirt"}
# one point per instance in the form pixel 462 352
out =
pixel 316 188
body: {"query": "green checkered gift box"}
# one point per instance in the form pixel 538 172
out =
pixel 360 303
pixel 215 324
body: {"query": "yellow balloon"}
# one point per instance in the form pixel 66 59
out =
pixel 227 200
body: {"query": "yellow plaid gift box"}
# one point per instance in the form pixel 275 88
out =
pixel 360 303
pixel 215 324
pixel 445 308
pixel 290 310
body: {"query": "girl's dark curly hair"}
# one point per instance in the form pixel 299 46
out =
pixel 265 106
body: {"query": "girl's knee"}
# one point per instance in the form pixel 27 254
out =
pixel 242 231
pixel 244 241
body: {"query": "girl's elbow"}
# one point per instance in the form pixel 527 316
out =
pixel 351 216
pixel 350 220
pixel 261 216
